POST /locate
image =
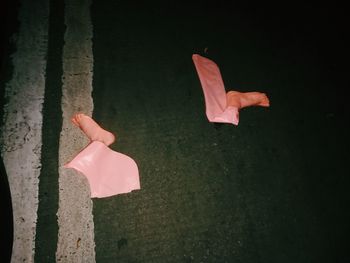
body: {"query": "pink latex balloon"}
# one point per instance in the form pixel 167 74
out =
pixel 108 172
pixel 214 92
pixel 92 129
pixel 221 106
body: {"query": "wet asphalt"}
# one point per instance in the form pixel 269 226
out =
pixel 273 189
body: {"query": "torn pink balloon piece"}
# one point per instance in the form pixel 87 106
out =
pixel 221 106
pixel 214 92
pixel 108 172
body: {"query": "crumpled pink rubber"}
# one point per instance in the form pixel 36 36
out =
pixel 214 92
pixel 108 172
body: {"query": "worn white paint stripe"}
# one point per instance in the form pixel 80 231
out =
pixel 75 221
pixel 21 135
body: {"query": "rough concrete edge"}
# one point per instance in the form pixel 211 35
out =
pixel 75 220
pixel 21 135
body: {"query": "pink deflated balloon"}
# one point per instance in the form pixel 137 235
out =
pixel 214 92
pixel 221 106
pixel 108 172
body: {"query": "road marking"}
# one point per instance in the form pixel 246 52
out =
pixel 75 220
pixel 22 124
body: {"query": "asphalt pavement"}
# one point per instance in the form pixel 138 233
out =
pixel 272 189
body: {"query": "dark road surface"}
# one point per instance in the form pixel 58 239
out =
pixel 274 188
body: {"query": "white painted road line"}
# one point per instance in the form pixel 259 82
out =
pixel 75 221
pixel 21 135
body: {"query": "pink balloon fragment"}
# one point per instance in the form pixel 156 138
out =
pixel 220 106
pixel 108 172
